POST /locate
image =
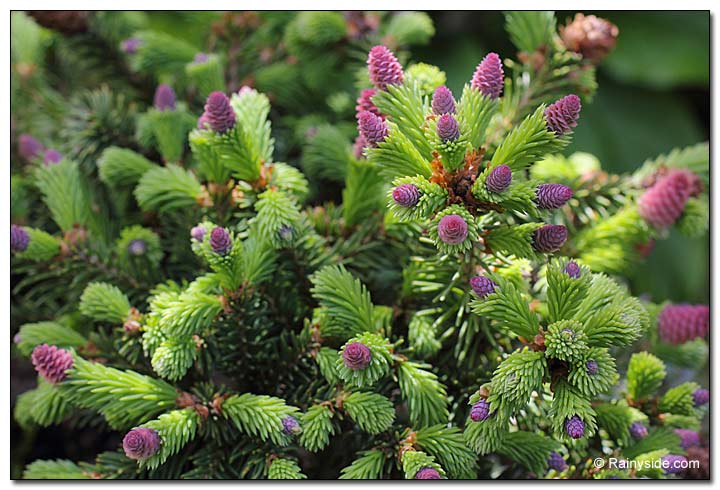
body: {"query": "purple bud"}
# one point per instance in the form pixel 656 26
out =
pixel 28 147
pixel 447 128
pixel 701 397
pixel 482 286
pixel 688 438
pixel 443 101
pixel 499 179
pixel 663 203
pixel 356 356
pixel 575 427
pixel 51 363
pixel 572 269
pixel 291 426
pixel 285 233
pixel 219 113
pixel 19 238
pixel 137 247
pixel 406 195
pixel 480 411
pixel 681 323
pixel 427 473
pixel 164 98
pixel 549 238
pixel 359 145
pixel 51 156
pixel 673 463
pixel 220 241
pixel 203 121
pixel 201 58
pixel 17 338
pixel 365 103
pixel 198 233
pixel 557 462
pixel 638 430
pixel 383 68
pixel 141 443
pixel 488 76
pixel 591 367
pixel 552 196
pixel 131 45
pixel 371 127
pixel 452 229
pixel 562 115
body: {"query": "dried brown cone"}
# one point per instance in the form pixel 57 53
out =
pixel 66 21
pixel 590 36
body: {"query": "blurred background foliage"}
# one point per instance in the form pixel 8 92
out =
pixel 653 96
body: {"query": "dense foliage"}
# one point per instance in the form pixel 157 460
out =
pixel 220 268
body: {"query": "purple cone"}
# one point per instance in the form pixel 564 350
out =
pixel 562 116
pixel 663 203
pixel 701 396
pixel 164 98
pixel 452 229
pixel 549 238
pixel 591 367
pixel 557 462
pixel 364 102
pixel 203 122
pixel 19 238
pixel 552 196
pixel 356 356
pixel 137 247
pixel 219 113
pixel 383 68
pixel 131 45
pixel 638 430
pixel 427 474
pixel 480 411
pixel 198 233
pixel 447 128
pixel 572 269
pixel 575 427
pixel 499 179
pixel 688 438
pixel 51 156
pixel 359 145
pixel 372 127
pixel 488 76
pixel 673 463
pixel 482 286
pixel 29 147
pixel 681 323
pixel 220 241
pixel 406 195
pixel 443 101
pixel 141 443
pixel 291 426
pixel 51 362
